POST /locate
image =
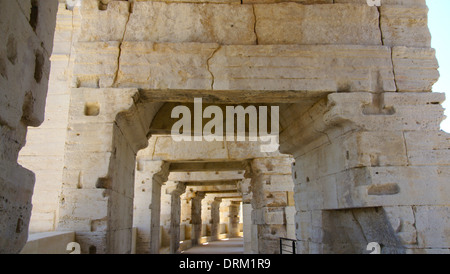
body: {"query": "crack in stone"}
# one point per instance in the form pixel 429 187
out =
pixel 254 25
pixel 379 25
pixel 393 69
pixel 391 48
pixel 114 83
pixel 208 65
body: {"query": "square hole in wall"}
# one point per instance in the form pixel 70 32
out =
pixel 92 109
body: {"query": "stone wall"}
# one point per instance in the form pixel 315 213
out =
pixel 44 151
pixel 27 34
pixel 353 83
pixel 385 170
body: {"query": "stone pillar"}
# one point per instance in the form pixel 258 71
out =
pixel 215 218
pixel 244 188
pixel 233 218
pixel 224 216
pixel 186 208
pixel 197 217
pixel 155 209
pixel 371 168
pixel 271 185
pixel 175 189
pixel 150 175
pixel 207 215
pixel 25 48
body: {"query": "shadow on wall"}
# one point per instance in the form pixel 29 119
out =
pixel 348 231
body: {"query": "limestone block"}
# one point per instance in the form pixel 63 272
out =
pixel 62 41
pixel 56 112
pixel 292 23
pixel 245 150
pixel 268 216
pixel 166 148
pixel 402 220
pixel 91 215
pixel 275 198
pixel 364 149
pixel 120 241
pixel 275 166
pixel 374 186
pixel 309 68
pixel 432 224
pixel 150 167
pixel 206 176
pixel 121 208
pixel 269 238
pixel 88 135
pixel 277 182
pixel 150 65
pixel 86 172
pixel 185 22
pixel 419 3
pixel 109 24
pixel 415 111
pixel 428 148
pixel 43 163
pixel 405 26
pixel 399 186
pixel 96 64
pixel 416 69
pixel 43 141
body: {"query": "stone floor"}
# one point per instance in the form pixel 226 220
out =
pixel 225 246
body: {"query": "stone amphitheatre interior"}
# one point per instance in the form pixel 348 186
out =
pixel 87 155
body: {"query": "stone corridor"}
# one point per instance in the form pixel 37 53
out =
pixel 87 154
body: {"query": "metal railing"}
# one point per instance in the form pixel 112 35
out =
pixel 287 246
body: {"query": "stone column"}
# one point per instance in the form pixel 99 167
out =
pixel 96 200
pixel 207 215
pixel 186 208
pixel 271 185
pixel 175 189
pixel 155 209
pixel 244 188
pixel 197 217
pixel 215 218
pixel 233 218
pixel 150 176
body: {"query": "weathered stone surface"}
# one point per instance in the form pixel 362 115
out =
pixel 317 24
pixel 302 68
pixel 110 23
pixel 415 68
pixel 405 26
pixel 203 23
pixel 352 84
